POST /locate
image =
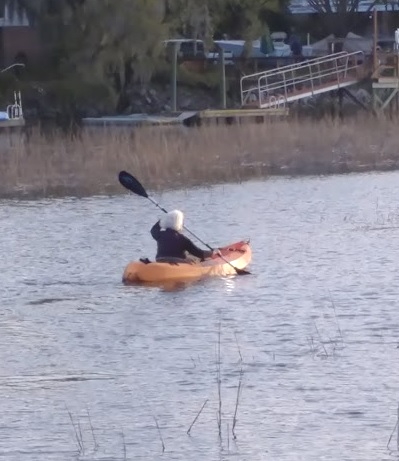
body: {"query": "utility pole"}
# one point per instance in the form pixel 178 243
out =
pixel 375 24
pixel 222 65
pixel 174 76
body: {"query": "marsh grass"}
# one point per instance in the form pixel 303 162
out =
pixel 167 157
pixel 326 345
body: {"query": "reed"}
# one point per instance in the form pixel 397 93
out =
pixel 86 163
pixel 239 390
pixel 124 446
pixel 336 319
pixel 92 431
pixel 78 434
pixel 160 434
pixel 219 383
pixel 395 430
pixel 197 416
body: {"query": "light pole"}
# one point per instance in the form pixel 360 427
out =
pixel 375 27
pixel 17 64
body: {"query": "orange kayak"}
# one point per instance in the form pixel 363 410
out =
pixel 238 254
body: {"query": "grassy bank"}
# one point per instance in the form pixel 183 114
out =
pixel 163 157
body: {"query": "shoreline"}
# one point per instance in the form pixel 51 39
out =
pixel 87 163
pixel 32 193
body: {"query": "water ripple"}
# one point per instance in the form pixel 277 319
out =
pixel 91 369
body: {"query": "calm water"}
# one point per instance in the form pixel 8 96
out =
pixel 89 366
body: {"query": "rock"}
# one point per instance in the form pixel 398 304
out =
pixel 185 103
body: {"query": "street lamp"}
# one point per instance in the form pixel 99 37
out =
pixel 17 64
pixel 375 27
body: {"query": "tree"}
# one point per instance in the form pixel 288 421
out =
pixel 245 19
pixel 113 34
pixel 239 19
pixel 96 38
pixel 192 18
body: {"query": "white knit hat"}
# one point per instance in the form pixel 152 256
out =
pixel 172 220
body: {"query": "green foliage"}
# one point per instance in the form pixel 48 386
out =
pixel 115 33
pixel 8 84
pixel 8 81
pixel 238 18
pixel 72 93
pixel 245 18
pixel 193 18
pixel 114 43
pixel 208 80
pixel 97 38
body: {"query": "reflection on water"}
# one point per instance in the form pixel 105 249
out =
pixel 92 369
pixel 229 283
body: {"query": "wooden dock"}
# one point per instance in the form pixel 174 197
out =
pixel 385 83
pixel 238 115
pixel 12 123
pixel 132 120
pixel 186 118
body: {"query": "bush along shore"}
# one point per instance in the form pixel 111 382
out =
pixel 86 163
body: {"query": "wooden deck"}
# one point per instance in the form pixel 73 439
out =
pixel 14 123
pixel 187 118
pixel 386 82
pixel 242 113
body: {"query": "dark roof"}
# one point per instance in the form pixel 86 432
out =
pixel 302 6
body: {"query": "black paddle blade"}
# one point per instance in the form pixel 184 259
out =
pixel 242 271
pixel 131 183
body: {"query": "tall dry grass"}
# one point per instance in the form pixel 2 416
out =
pixel 164 157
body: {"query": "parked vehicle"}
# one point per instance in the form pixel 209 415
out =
pixel 188 48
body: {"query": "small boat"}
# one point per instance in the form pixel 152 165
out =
pixel 237 255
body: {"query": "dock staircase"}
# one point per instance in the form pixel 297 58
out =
pixel 276 87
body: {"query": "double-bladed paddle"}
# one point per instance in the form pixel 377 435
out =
pixel 131 183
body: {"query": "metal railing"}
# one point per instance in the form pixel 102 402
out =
pixel 276 87
pixel 14 111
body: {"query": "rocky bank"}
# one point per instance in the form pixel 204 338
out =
pixel 45 106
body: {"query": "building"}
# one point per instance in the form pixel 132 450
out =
pixel 19 40
pixel 360 21
pixel 365 6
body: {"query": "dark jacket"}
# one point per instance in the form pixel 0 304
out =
pixel 173 244
pixel 296 46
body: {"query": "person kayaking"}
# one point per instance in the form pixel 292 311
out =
pixel 172 244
